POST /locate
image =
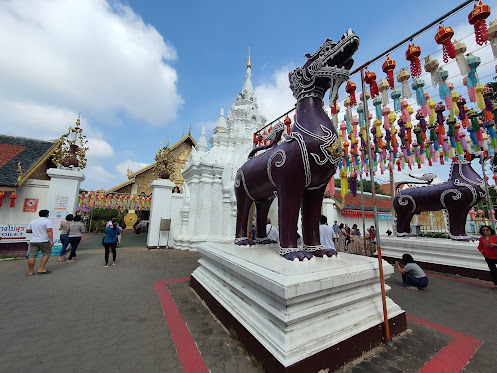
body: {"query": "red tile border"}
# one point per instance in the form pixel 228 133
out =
pixel 452 358
pixel 460 280
pixel 188 354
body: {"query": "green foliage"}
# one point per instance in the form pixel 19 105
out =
pixel 98 215
pixel 97 225
pixel 366 185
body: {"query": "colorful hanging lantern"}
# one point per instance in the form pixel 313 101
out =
pixel 353 183
pixel 443 88
pixel 2 196
pixel 472 81
pixel 443 36
pixel 366 96
pixel 395 95
pixel 344 185
pixel 477 18
pixel 492 36
pixel 403 78
pixel 383 87
pixel 350 89
pixel 412 55
pixel 460 58
pixel 431 66
pixel 370 78
pixel 418 85
pixel 377 106
pixel 13 197
pixel 388 67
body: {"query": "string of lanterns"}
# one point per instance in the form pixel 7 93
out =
pixel 438 131
pixel 114 201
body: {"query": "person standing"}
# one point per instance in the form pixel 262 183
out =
pixel 110 241
pixel 41 230
pixel 355 238
pixel 76 228
pixel 64 237
pixel 413 276
pixel 371 241
pixel 271 232
pixel 335 228
pixel 488 248
pixel 342 235
pixel 326 234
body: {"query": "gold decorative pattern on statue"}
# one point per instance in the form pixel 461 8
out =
pixel 72 144
pixel 335 149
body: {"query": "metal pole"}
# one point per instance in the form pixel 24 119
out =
pixel 363 215
pixel 489 200
pixel 392 196
pixel 388 340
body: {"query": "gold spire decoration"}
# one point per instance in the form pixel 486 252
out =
pixel 161 161
pixel 249 64
pixel 72 149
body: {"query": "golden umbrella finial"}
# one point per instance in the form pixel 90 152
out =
pixel 249 64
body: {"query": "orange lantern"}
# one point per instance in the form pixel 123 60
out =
pixel 388 67
pixel 287 123
pixel 412 55
pixel 477 18
pixel 350 89
pixel 2 196
pixel 443 36
pixel 370 78
pixel 13 197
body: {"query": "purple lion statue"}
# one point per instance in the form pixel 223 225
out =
pixel 299 168
pixel 456 197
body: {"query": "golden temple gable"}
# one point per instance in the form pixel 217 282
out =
pixel 176 157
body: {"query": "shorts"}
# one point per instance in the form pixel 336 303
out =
pixel 44 247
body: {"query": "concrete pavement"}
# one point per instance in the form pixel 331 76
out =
pixel 87 318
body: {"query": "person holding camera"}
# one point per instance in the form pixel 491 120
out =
pixel 110 241
pixel 413 276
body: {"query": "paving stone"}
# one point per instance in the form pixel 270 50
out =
pixel 95 319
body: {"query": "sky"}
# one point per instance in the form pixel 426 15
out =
pixel 145 72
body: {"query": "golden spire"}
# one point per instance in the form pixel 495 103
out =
pixel 249 64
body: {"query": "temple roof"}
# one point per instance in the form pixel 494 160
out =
pixel 383 204
pixel 29 153
pixel 132 175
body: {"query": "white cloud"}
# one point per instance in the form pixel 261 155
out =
pixel 98 57
pixel 99 149
pixel 275 97
pixel 122 168
pixel 98 177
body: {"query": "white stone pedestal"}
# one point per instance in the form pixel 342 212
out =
pixel 63 191
pixel 160 209
pixel 296 310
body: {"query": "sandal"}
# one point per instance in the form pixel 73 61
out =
pixel 61 259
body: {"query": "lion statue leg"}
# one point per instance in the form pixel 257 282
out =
pixel 243 203
pixel 311 212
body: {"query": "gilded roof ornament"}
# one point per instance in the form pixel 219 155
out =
pixel 72 149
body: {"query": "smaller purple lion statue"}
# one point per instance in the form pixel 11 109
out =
pixel 456 196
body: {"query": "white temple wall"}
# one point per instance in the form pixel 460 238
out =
pixel 177 201
pixel 37 189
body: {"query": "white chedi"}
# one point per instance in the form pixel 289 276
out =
pixel 209 210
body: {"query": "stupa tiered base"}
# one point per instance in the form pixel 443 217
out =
pixel 296 316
